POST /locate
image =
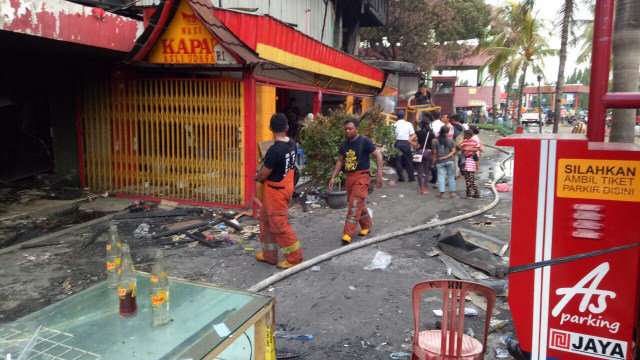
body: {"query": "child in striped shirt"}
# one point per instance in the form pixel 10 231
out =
pixel 469 148
pixel 475 137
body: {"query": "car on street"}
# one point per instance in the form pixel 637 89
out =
pixel 529 118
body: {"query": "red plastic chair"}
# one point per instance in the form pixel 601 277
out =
pixel 450 342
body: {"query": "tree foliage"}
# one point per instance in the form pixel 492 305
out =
pixel 519 46
pixel 580 77
pixel 423 31
pixel 321 139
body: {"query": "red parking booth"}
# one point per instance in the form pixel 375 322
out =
pixel 574 268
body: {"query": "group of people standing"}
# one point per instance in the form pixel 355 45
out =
pixel 444 148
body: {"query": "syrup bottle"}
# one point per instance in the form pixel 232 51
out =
pixel 114 248
pixel 159 292
pixel 127 286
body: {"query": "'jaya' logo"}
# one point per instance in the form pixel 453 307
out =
pixel 587 345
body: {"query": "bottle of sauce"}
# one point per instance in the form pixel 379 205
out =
pixel 127 286
pixel 114 248
pixel 159 292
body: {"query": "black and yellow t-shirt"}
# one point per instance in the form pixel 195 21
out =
pixel 356 153
pixel 280 158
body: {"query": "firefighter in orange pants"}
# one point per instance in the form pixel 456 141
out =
pixel 277 174
pixel 354 160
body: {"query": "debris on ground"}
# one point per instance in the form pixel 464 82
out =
pixel 182 224
pixel 167 205
pixel 381 260
pixel 503 187
pixel 139 206
pixel 495 324
pixel 467 312
pixel 285 335
pixel 466 248
pixel 158 214
pixel 476 238
pixel 482 223
pixel 501 354
pixel 454 268
pixel 141 231
pixel 399 355
pixel 479 301
pixel 433 253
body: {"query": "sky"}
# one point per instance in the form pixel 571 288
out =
pixel 547 10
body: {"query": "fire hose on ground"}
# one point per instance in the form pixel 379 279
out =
pixel 326 256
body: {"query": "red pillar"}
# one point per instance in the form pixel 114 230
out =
pixel 576 100
pixel 250 146
pixel 317 103
pixel 600 58
pixel 553 101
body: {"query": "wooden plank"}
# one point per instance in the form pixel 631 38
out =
pixel 260 339
pixel 236 334
pixel 456 269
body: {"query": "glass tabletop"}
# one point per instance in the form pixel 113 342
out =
pixel 202 316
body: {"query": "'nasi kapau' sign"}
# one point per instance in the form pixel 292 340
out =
pixel 187 41
pixel 615 180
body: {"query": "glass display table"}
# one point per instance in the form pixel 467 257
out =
pixel 205 322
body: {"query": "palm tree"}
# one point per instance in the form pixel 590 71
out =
pixel 496 63
pixel 523 45
pixel 569 25
pixel 567 14
pixel 586 35
pixel 626 65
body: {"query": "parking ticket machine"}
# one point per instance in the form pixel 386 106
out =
pixel 574 277
pixel 574 283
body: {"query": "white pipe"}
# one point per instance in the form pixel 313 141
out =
pixel 326 256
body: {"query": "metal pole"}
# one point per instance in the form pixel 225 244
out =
pixel 600 61
pixel 513 112
pixel 539 107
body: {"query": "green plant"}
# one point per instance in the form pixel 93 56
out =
pixel 321 138
pixel 503 130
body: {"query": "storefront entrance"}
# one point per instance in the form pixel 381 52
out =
pixel 172 138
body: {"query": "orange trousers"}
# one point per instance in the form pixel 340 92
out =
pixel 275 230
pixel 357 191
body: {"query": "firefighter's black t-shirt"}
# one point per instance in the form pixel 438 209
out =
pixel 356 153
pixel 280 158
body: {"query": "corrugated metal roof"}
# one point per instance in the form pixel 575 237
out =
pixel 204 10
pixel 287 74
pixel 275 41
pixel 292 12
pixel 306 15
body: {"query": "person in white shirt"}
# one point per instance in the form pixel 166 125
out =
pixel 436 124
pixel 405 140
